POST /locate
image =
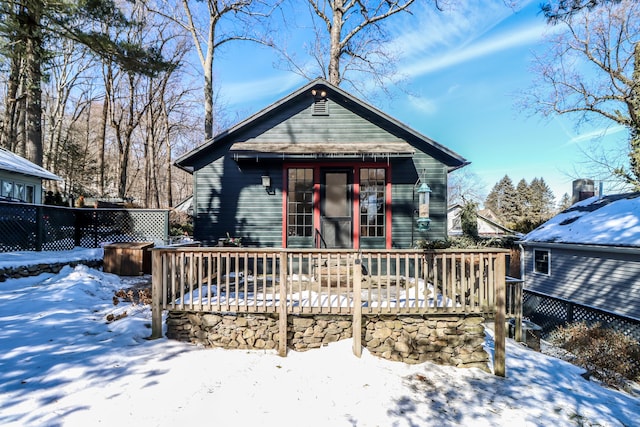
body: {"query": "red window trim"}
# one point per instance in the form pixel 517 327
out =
pixel 356 197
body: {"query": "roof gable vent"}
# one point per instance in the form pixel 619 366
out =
pixel 320 103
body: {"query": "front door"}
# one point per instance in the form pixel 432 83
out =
pixel 336 211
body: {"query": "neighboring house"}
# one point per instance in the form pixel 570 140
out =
pixel 487 225
pixel 20 179
pixel 588 255
pixel 320 168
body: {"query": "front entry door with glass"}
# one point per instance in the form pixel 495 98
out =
pixel 336 211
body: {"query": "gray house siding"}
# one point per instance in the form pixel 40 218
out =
pixel 607 280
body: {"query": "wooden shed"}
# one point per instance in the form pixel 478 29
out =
pixel 320 169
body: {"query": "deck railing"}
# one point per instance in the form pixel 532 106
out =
pixel 298 281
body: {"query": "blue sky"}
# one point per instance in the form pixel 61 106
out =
pixel 463 70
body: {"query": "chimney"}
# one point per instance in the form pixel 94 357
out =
pixel 582 189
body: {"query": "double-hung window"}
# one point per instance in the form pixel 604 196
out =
pixel 542 261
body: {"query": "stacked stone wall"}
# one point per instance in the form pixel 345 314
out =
pixel 37 269
pixel 447 340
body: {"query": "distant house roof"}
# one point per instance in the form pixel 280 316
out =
pixel 487 226
pixel 285 149
pixel 11 162
pixel 608 220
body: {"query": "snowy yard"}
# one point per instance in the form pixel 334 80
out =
pixel 62 364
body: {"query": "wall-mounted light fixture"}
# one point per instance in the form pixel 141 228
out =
pixel 266 181
pixel 423 220
pixel 318 93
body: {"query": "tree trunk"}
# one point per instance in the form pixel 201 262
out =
pixel 634 115
pixel 34 80
pixel 108 85
pixel 335 50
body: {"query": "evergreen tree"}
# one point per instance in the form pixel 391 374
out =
pixel 502 200
pixel 542 200
pixel 523 203
pixel 469 220
pixel 565 202
pixel 27 25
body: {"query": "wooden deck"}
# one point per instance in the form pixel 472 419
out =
pixel 347 282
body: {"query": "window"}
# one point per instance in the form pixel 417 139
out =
pixel 541 261
pixel 372 202
pixel 19 190
pixel 7 189
pixel 300 202
pixel 30 196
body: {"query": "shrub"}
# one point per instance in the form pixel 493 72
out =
pixel 607 355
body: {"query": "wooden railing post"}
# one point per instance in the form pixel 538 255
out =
pixel 157 290
pixel 282 308
pixel 356 323
pixel 499 357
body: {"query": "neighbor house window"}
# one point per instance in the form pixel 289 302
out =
pixel 19 190
pixel 7 189
pixel 300 202
pixel 541 261
pixel 30 195
pixel 372 202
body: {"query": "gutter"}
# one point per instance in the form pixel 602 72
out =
pixel 633 250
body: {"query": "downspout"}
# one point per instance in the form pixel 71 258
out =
pixel 521 263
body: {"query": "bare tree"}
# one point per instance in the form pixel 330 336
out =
pixel 592 71
pixel 221 22
pixel 350 41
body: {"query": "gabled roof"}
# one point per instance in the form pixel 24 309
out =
pixel 457 208
pixel 11 162
pixel 335 94
pixel 604 221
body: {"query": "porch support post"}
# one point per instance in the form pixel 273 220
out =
pixel 499 357
pixel 282 308
pixel 356 323
pixel 156 294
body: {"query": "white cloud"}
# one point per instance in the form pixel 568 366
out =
pixel 267 88
pixel 475 50
pixel 453 36
pixel 423 105
pixel 597 134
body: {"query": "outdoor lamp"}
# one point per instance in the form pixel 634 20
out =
pixel 423 207
pixel 266 181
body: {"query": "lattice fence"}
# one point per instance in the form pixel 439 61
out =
pixel 550 313
pixel 25 227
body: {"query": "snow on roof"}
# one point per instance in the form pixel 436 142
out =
pixel 13 163
pixel 609 220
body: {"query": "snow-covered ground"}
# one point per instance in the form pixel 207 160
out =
pixel 62 364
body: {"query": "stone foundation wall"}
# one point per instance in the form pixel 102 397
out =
pixel 34 270
pixel 447 340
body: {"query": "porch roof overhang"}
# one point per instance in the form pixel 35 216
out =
pixel 333 150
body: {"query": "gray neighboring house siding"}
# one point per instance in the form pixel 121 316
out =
pixel 605 278
pixel 229 197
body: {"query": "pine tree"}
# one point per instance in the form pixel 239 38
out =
pixel 565 202
pixel 469 220
pixel 502 200
pixel 542 200
pixel 31 23
pixel 523 197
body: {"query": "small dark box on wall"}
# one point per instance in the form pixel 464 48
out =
pixel 127 259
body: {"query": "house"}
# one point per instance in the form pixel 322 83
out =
pixel 488 226
pixel 587 260
pixel 20 179
pixel 320 169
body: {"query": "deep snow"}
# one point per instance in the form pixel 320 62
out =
pixel 62 364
